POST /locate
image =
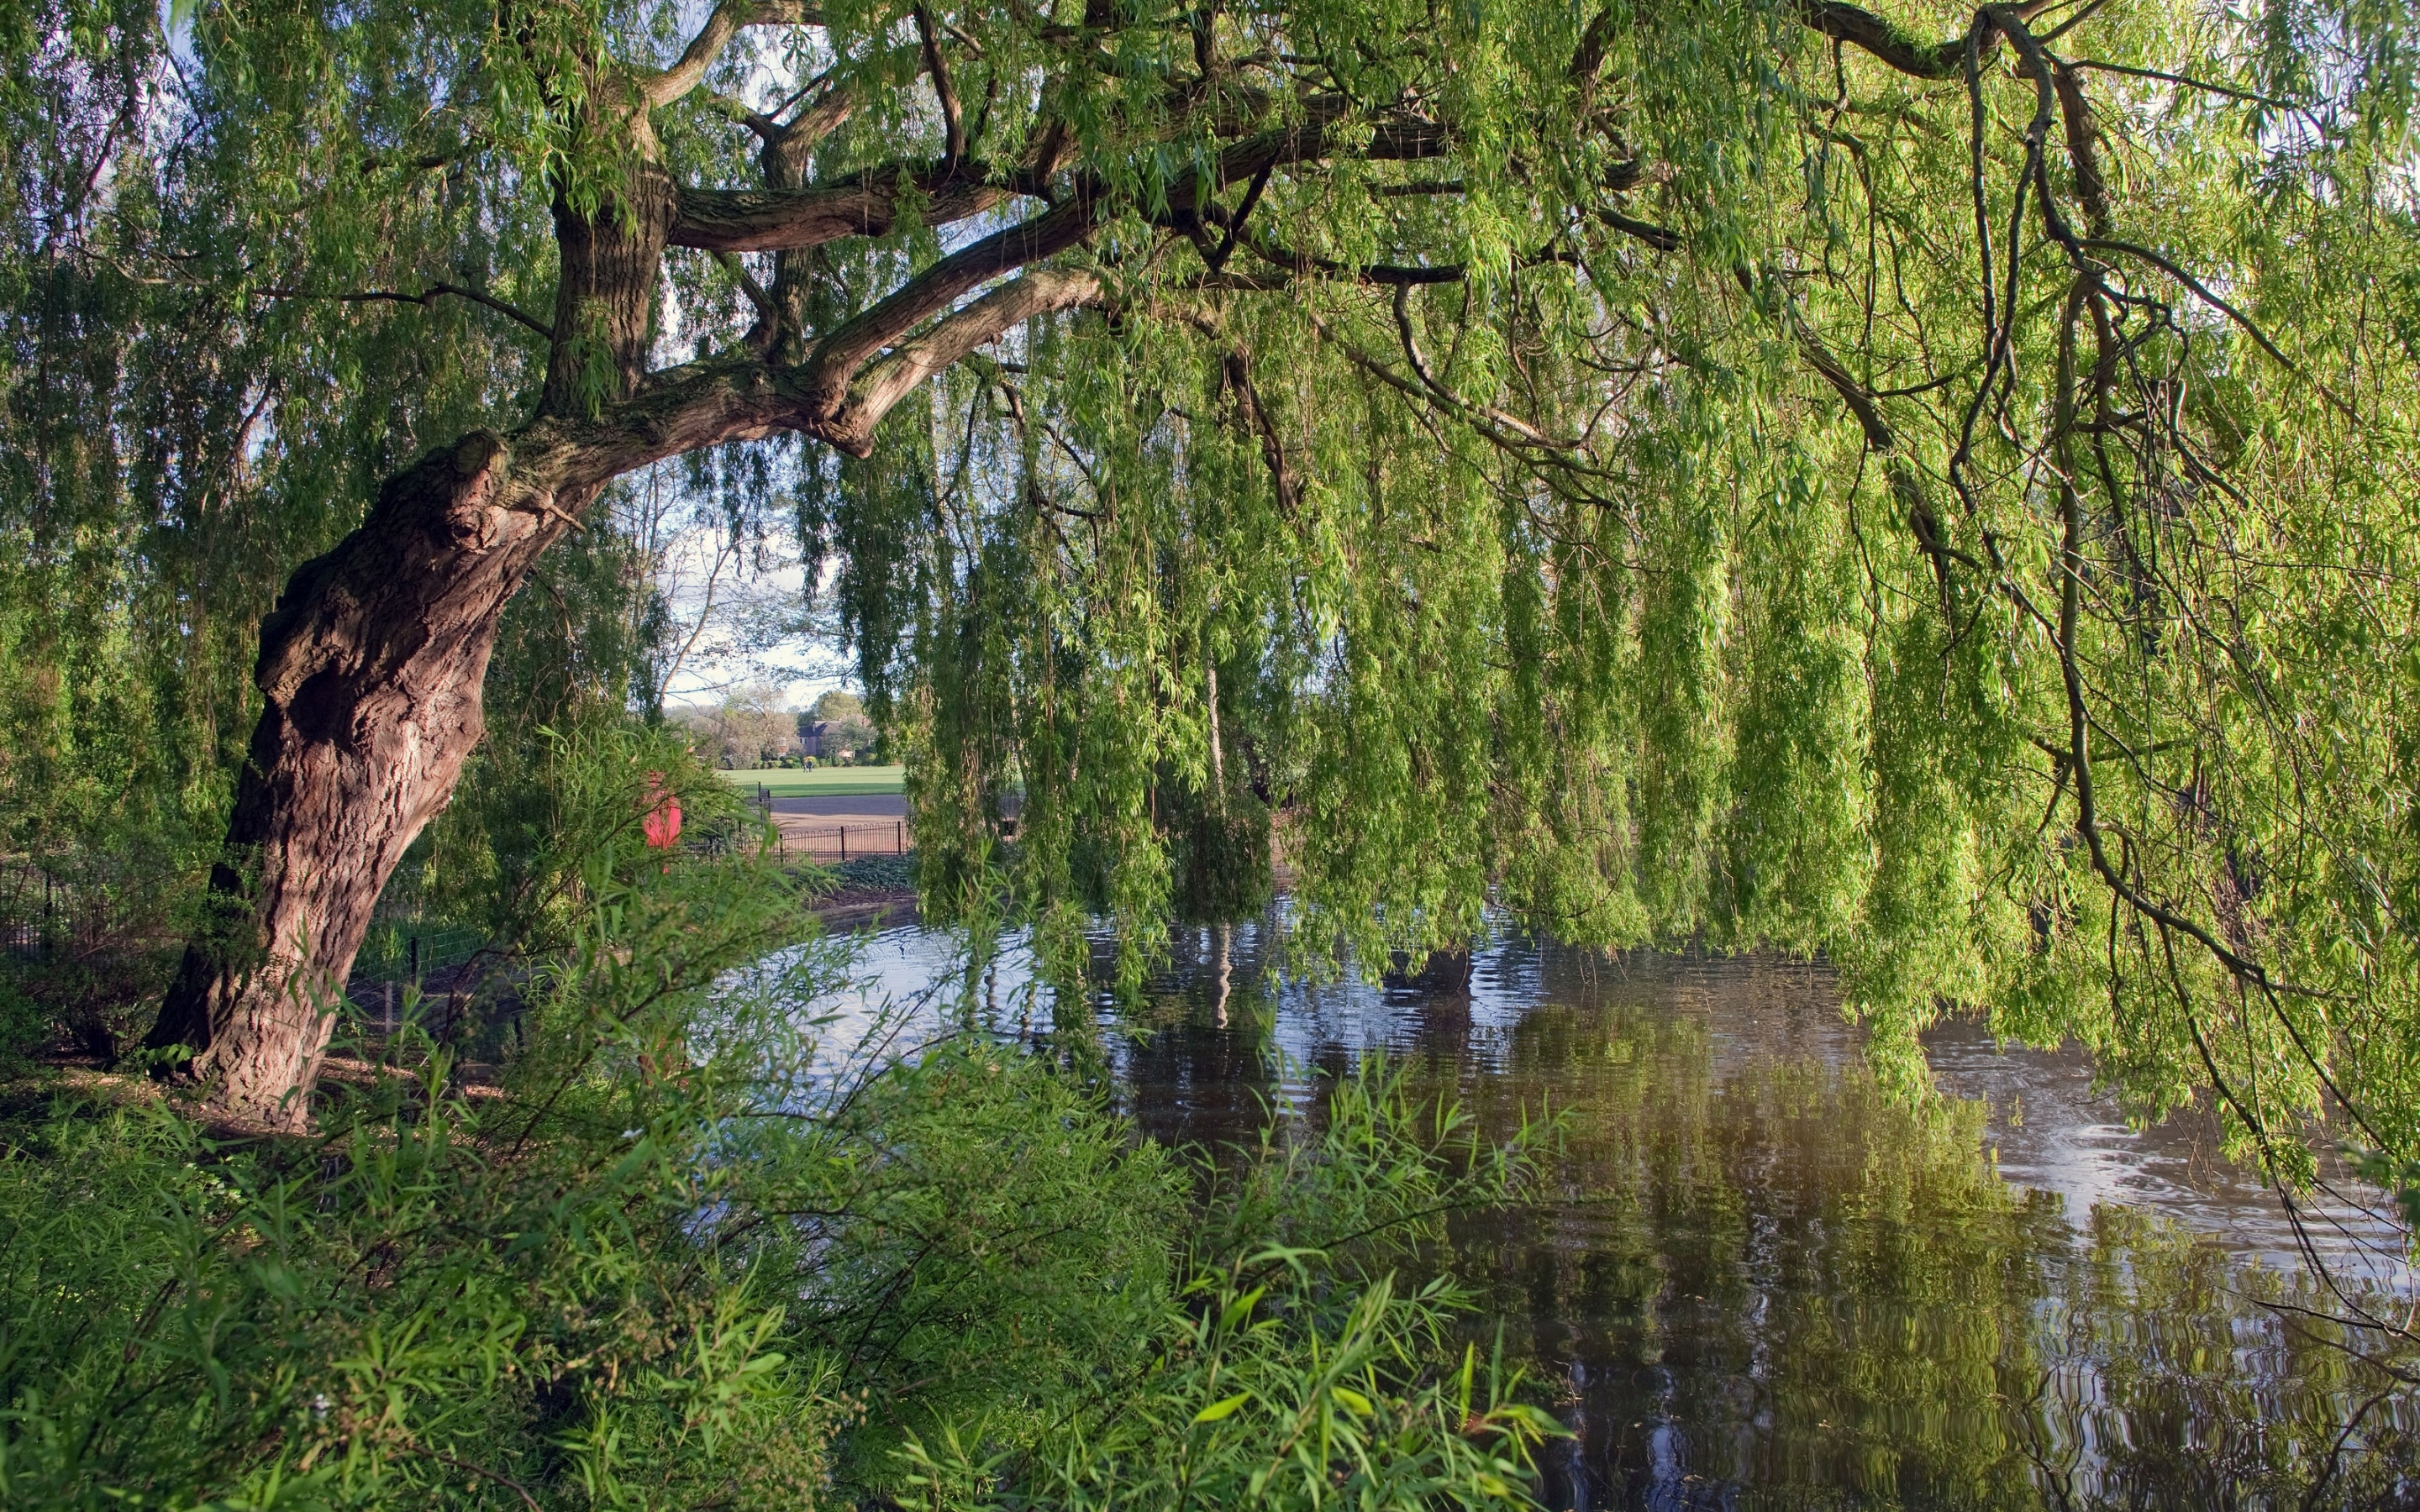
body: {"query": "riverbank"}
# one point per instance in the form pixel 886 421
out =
pixel 868 892
pixel 870 908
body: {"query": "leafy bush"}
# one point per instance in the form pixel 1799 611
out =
pixel 689 1254
pixel 869 873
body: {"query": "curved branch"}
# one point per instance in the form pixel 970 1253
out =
pixel 2202 291
pixel 1236 368
pixel 1510 432
pixel 828 373
pixel 1902 49
pixel 896 374
pixel 720 27
pixel 1897 46
pixel 867 205
pixel 1654 236
pixel 2188 81
pixel 748 284
pixel 1312 138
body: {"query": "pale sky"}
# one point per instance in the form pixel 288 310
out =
pixel 753 632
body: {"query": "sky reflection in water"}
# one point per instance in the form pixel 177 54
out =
pixel 1758 1282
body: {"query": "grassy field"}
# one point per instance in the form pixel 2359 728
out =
pixel 823 783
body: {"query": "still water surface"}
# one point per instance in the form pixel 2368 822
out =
pixel 1758 1281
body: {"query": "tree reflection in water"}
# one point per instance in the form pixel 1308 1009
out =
pixel 1757 1280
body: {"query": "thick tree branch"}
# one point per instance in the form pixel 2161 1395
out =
pixel 1900 48
pixel 1654 236
pixel 954 121
pixel 838 355
pixel 867 205
pixel 1314 138
pixel 1894 44
pixel 733 396
pixel 1395 275
pixel 848 383
pixel 896 374
pixel 720 27
pixel 816 121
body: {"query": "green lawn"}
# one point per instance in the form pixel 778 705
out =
pixel 823 783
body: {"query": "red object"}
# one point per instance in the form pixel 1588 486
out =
pixel 662 824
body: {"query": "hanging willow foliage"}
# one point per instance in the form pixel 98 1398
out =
pixel 1930 489
pixel 1878 535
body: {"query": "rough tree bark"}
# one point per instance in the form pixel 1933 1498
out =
pixel 370 672
pixel 371 665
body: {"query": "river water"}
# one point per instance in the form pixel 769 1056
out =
pixel 1759 1281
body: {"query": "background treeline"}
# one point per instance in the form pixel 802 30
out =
pixel 754 725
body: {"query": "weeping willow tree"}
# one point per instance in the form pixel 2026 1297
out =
pixel 1927 487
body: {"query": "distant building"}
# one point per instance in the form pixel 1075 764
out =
pixel 844 738
pixel 829 739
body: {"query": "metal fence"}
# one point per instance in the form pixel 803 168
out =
pixel 407 948
pixel 839 841
pixel 29 908
pixel 830 837
pixel 405 953
pixel 59 905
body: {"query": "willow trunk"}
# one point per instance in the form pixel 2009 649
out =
pixel 370 672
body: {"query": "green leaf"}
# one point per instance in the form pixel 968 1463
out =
pixel 1236 1311
pixel 1220 1411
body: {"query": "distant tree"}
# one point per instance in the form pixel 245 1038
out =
pixel 750 725
pixel 840 703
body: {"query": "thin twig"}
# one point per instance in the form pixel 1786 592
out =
pixel 425 297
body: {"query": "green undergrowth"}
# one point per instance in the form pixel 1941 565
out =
pixel 667 1263
pixel 866 873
